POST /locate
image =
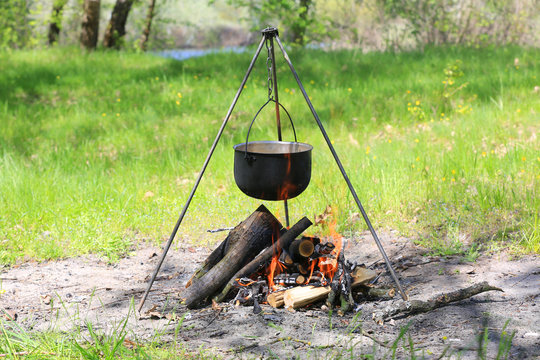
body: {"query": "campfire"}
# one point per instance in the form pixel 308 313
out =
pixel 260 262
pixel 263 260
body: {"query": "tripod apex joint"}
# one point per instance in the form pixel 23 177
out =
pixel 270 32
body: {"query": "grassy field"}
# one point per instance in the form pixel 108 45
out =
pixel 98 152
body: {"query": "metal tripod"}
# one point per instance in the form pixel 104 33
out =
pixel 269 34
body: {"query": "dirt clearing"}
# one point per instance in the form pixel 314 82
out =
pixel 65 294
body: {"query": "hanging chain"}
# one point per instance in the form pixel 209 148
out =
pixel 269 67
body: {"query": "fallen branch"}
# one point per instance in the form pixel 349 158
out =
pixel 406 308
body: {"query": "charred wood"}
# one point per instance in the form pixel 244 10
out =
pixel 252 235
pixel 264 257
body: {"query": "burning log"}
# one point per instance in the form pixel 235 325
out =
pixel 289 279
pixel 301 249
pixel 244 242
pixel 265 256
pixel 304 295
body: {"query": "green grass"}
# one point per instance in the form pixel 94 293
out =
pixel 119 342
pixel 98 151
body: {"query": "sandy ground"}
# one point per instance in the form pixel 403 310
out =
pixel 65 294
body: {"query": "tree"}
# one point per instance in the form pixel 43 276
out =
pixel 55 23
pixel 90 24
pixel 117 24
pixel 15 29
pixel 298 28
pixel 148 25
pixel 295 18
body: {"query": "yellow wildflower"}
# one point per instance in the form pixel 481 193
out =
pixel 484 154
pixel 417 102
pixel 523 158
pixel 416 140
pixel 453 171
pixel 368 149
pixel 349 89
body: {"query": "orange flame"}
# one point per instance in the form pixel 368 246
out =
pixel 275 268
pixel 328 266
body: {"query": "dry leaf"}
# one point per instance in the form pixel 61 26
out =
pixel 353 140
pixel 215 305
pixel 325 215
pixel 148 195
pixel 152 313
pixel 130 344
pixel 46 299
pixel 10 315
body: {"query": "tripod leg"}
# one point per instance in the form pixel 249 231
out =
pixel 201 173
pixel 338 162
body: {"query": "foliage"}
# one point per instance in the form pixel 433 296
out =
pixel 472 22
pixel 295 18
pixel 15 24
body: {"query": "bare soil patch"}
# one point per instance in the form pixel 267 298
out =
pixel 68 293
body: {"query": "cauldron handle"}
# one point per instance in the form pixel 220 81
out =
pixel 255 117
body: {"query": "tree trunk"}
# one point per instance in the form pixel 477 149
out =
pixel 90 24
pixel 117 24
pixel 56 21
pixel 246 241
pixel 148 25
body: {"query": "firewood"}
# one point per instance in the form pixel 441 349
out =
pixel 253 235
pixel 304 295
pixel 300 249
pixel 265 256
pixel 376 293
pixel 285 259
pixel 405 308
pixel 275 299
pixel 289 279
pixel 362 276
